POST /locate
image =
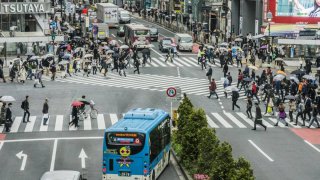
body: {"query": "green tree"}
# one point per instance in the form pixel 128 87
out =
pixel 190 139
pixel 208 144
pixel 242 170
pixel 223 166
pixel 184 110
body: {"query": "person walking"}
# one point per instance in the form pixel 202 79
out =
pixel 307 107
pixel 39 79
pixel 9 121
pixel 314 116
pixel 122 67
pixel 258 119
pixel 45 112
pixel 254 91
pixel 2 113
pixel 300 110
pixel 212 88
pixel 292 108
pixel 25 107
pixel 235 97
pixel 53 70
pixel 225 69
pixel 240 78
pixel 282 114
pixel 209 74
pixel 249 107
pixel 169 56
pixel 75 118
pixel 137 65
pixel 94 66
pixel 2 74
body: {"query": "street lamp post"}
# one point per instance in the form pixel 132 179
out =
pixel 269 18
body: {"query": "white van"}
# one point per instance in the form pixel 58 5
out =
pixel 124 16
pixel 62 175
pixel 184 42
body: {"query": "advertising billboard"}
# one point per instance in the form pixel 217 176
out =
pixel 295 11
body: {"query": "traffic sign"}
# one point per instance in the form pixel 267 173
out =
pixel 171 92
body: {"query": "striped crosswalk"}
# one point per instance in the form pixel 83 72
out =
pixel 194 86
pixel 61 122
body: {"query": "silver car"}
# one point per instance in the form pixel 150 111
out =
pixel 61 175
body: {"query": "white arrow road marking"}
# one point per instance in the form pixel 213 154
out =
pixel 83 157
pixel 53 157
pixel 260 150
pixel 24 160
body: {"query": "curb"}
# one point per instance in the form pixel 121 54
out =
pixel 184 172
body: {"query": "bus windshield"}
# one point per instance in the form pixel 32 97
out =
pixel 116 140
pixel 141 32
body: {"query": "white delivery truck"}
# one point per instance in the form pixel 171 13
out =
pixel 108 13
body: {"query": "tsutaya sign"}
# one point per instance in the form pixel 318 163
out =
pixel 25 8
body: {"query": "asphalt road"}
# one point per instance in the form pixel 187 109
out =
pixel 279 153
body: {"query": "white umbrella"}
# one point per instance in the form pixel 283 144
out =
pixel 295 79
pixel 278 59
pixel 210 47
pixel 150 46
pixel 7 99
pixel 48 55
pixel 253 67
pixel 309 77
pixel 224 44
pixel 104 43
pixel 279 77
pixel 113 42
pixel 78 49
pixel 124 47
pixel 231 88
pixel 265 65
pixel 223 49
pixel 35 58
pixel 318 68
pixel 88 56
pixel 238 39
pixel 105 47
pixel 110 51
pixel 63 62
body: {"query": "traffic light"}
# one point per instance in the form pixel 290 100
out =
pixel 189 9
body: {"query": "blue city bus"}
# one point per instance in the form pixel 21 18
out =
pixel 137 146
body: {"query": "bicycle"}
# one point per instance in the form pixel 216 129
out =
pixel 93 112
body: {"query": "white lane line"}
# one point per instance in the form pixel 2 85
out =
pixel 211 123
pixel 168 62
pixel 182 62
pixel 54 153
pixel 120 41
pixel 1 128
pixel 156 52
pixel 315 148
pixel 113 35
pixel 87 123
pixel 59 123
pixel 159 62
pixel 1 144
pixel 221 120
pixel 52 139
pixel 114 118
pixel 30 125
pixel 72 127
pixel 260 150
pixel 244 117
pixel 44 127
pixel 15 125
pixel 274 120
pixel 235 120
pixel 100 121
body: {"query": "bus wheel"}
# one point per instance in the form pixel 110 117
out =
pixel 153 175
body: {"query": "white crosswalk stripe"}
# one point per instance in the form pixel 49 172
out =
pixel 61 122
pixel 44 127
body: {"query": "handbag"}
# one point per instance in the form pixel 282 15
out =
pixel 269 109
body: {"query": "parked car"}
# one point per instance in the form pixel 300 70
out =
pixel 62 175
pixel 154 34
pixel 165 44
pixel 120 31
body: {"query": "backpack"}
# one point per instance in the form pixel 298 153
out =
pixel 23 104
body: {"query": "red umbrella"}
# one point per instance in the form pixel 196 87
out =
pixel 76 103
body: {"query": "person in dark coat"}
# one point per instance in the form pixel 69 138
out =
pixel 249 107
pixel 225 70
pixel 45 111
pixel 235 97
pixel 9 121
pixel 258 119
pixel 25 107
pixel 1 74
pixel 209 74
pixel 75 118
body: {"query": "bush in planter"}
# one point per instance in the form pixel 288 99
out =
pixel 184 111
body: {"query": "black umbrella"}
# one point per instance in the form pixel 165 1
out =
pixel 298 71
pixel 247 79
pixel 145 51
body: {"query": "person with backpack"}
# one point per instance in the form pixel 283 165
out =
pixel 209 74
pixel 300 109
pixel 258 119
pixel 314 116
pixel 282 114
pixel 25 107
pixel 235 97
pixel 212 88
